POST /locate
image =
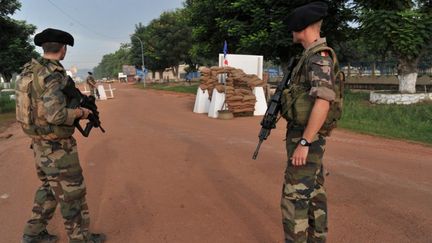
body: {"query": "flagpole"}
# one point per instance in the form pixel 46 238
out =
pixel 225 63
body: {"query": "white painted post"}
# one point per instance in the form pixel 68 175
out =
pixel 216 103
pixel 102 94
pixel 202 102
pixel 261 103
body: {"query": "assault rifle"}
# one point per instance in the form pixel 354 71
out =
pixel 77 99
pixel 274 106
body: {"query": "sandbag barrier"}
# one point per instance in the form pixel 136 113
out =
pixel 238 89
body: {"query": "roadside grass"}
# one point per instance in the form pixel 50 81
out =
pixel 7 111
pixel 408 122
pixel 190 89
pixel 6 105
pixel 5 120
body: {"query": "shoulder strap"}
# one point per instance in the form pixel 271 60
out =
pixel 321 48
pixel 50 68
pixel 36 82
pixel 313 51
pixel 339 76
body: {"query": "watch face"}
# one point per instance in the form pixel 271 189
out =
pixel 303 142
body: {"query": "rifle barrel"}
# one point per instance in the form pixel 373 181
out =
pixel 255 155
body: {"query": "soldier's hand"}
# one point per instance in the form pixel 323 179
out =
pixel 86 113
pixel 82 113
pixel 300 155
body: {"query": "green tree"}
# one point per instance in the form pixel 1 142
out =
pixel 167 41
pixel 153 62
pixel 256 27
pixel 8 7
pixel 112 63
pixel 15 40
pixel 403 27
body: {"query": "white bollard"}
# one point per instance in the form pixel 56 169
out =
pixel 102 94
pixel 261 103
pixel 202 102
pixel 111 90
pixel 216 103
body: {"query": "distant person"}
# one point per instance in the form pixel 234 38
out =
pixel 188 78
pixel 306 106
pixel 91 82
pixel 50 124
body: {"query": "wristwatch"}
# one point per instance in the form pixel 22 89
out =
pixel 304 142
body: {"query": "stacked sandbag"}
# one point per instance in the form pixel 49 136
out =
pixel 208 82
pixel 240 100
pixel 221 70
pixel 239 96
pixel 253 81
pixel 238 87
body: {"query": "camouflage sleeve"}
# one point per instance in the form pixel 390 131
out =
pixel 55 102
pixel 320 76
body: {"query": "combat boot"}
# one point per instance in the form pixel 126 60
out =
pixel 91 238
pixel 96 238
pixel 42 237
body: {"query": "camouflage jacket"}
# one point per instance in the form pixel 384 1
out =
pixel 91 81
pixel 316 73
pixel 312 78
pixel 49 110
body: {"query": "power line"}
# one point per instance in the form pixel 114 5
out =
pixel 81 24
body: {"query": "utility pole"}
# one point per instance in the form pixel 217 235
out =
pixel 142 59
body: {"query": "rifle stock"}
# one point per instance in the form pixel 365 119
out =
pixel 273 108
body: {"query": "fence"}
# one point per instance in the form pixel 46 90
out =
pixel 380 68
pixel 5 85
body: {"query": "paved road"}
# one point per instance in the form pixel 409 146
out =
pixel 164 174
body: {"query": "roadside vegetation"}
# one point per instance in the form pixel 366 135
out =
pixel 408 122
pixel 7 112
pixel 6 104
pixel 191 89
pixel 5 120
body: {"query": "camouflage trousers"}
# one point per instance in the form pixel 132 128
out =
pixel 94 92
pixel 59 170
pixel 304 201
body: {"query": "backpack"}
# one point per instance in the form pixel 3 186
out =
pixel 336 107
pixel 23 97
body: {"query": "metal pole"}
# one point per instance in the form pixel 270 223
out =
pixel 142 59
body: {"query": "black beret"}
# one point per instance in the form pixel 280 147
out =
pixel 53 35
pixel 306 15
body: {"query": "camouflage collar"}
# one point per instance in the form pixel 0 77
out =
pixel 51 64
pixel 320 41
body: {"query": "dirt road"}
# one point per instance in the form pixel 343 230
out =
pixel 164 174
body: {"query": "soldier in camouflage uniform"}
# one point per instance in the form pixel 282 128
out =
pixel 54 148
pixel 91 82
pixel 305 105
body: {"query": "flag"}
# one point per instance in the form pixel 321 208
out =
pixel 225 51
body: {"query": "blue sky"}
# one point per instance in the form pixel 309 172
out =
pixel 98 26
